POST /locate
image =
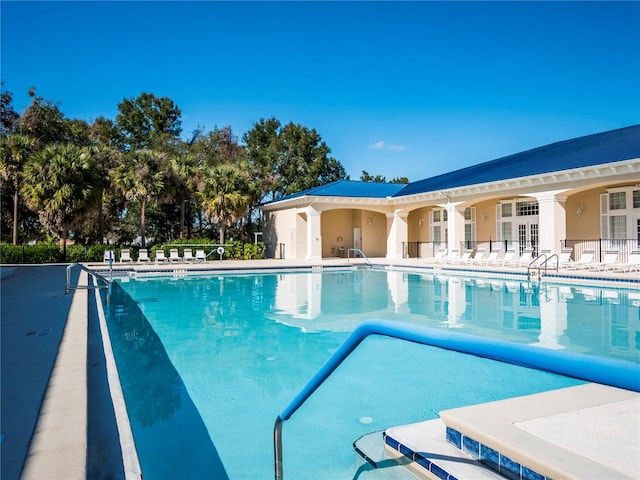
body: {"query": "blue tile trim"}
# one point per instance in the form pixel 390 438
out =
pixel 454 437
pixel 509 468
pixel 528 474
pixel 471 446
pixel 439 472
pixel 491 458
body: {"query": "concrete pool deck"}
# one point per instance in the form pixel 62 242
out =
pixel 44 354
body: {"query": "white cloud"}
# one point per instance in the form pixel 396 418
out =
pixel 382 146
pixel 395 148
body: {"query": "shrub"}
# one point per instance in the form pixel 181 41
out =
pixel 40 253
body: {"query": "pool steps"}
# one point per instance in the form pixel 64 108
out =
pixel 583 432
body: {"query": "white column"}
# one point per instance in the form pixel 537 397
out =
pixel 457 297
pixel 553 320
pixel 314 237
pixel 399 290
pixel 552 219
pixel 455 226
pixel 397 232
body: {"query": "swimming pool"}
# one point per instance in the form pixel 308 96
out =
pixel 208 362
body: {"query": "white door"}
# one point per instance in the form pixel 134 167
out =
pixel 356 239
pixel 528 236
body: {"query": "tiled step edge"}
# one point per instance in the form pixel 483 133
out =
pixel 385 465
pixel 492 458
pixel 424 445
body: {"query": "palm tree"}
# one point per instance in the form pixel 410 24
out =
pixel 102 159
pixel 226 195
pixel 141 177
pixel 15 150
pixel 61 188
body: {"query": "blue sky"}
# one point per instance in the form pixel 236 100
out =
pixel 395 88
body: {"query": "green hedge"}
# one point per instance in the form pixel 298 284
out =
pixel 51 253
pixel 40 253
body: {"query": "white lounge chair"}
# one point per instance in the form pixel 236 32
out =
pixel 160 256
pixel 525 259
pixel 631 265
pixel 466 257
pixel 125 255
pixel 187 255
pixel 585 260
pixel 509 258
pixel 109 255
pixel 478 258
pixel 174 256
pixel 143 255
pixel 493 258
pixel 201 256
pixel 453 256
pixel 439 256
pixel 564 258
pixel 608 261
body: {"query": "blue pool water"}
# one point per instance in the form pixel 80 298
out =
pixel 208 362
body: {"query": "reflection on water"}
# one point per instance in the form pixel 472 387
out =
pixel 604 322
pixel 157 401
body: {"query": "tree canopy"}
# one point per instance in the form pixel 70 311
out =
pixel 134 177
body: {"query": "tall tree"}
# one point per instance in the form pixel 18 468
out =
pixel 14 153
pixel 141 178
pixel 367 177
pixel 148 122
pixel 8 116
pixel 103 131
pixel 102 160
pixel 61 188
pixel 290 158
pixel 226 195
pixel 44 121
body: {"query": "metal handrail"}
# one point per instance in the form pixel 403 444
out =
pixel 543 264
pixel 357 250
pixel 97 276
pixel 615 373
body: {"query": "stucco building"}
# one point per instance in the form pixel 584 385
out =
pixel 582 193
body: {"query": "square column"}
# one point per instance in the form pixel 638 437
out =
pixel 552 219
pixel 455 226
pixel 397 233
pixel 314 234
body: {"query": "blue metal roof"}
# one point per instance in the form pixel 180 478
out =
pixel 348 188
pixel 596 149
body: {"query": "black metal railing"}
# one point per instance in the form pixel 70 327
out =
pixel 601 245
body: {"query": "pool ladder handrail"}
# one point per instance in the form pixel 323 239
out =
pixel 357 250
pixel 534 264
pixel 95 275
pixel 615 373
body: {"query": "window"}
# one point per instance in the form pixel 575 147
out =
pixel 436 215
pixel 506 210
pixel 467 213
pixel 619 209
pixel 617 200
pixel 506 231
pixel 437 234
pixel 617 227
pixel 526 208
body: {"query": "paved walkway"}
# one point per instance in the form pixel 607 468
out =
pixel 34 311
